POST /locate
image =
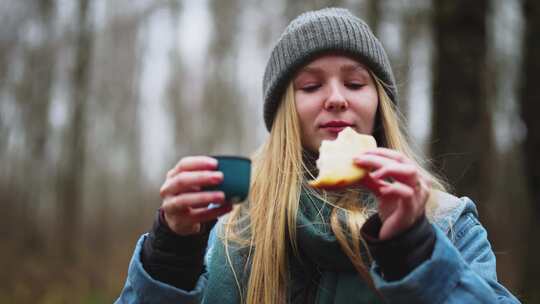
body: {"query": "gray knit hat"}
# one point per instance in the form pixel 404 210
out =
pixel 316 32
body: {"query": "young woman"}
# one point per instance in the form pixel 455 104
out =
pixel 399 239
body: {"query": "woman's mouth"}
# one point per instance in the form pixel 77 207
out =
pixel 335 126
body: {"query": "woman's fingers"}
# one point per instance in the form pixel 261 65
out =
pixel 389 153
pixel 374 185
pixel 393 225
pixel 202 215
pixel 377 157
pixel 190 222
pixel 193 163
pixel 397 209
pixel 181 203
pixel 402 189
pixel 385 167
pixel 404 173
pixel 185 212
pixel 396 200
pixel 184 206
pixel 397 190
pixel 372 161
pixel 187 181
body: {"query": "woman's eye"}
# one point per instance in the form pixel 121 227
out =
pixel 354 85
pixel 311 88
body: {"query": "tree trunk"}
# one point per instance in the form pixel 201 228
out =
pixel 374 15
pixel 413 21
pixel 530 108
pixel 224 126
pixel 70 180
pixel 462 131
pixel 32 94
pixel 182 116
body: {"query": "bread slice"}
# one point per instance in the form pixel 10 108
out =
pixel 336 167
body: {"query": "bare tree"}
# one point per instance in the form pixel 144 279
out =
pixel 15 16
pixel 415 21
pixel 182 117
pixel 223 125
pixel 373 15
pixel 70 176
pixel 462 130
pixel 32 95
pixel 530 107
pixel 294 8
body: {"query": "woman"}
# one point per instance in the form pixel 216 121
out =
pixel 398 239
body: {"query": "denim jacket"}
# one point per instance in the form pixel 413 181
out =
pixel 462 268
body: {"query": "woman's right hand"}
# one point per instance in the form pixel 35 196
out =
pixel 184 205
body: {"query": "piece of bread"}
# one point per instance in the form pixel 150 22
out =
pixel 336 167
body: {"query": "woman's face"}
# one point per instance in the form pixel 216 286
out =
pixel 332 93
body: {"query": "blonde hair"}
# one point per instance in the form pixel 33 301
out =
pixel 266 226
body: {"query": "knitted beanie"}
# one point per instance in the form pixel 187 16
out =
pixel 316 32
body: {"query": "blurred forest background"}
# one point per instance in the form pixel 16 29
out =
pixel 98 99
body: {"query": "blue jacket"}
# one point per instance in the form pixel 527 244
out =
pixel 462 268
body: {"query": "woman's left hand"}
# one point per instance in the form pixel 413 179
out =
pixel 400 187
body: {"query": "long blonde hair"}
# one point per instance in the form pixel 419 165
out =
pixel 267 224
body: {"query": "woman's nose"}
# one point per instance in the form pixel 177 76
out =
pixel 336 100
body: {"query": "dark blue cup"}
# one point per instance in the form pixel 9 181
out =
pixel 236 178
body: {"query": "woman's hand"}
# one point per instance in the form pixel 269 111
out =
pixel 184 205
pixel 401 189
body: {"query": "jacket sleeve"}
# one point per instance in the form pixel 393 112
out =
pixel 459 272
pixel 140 287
